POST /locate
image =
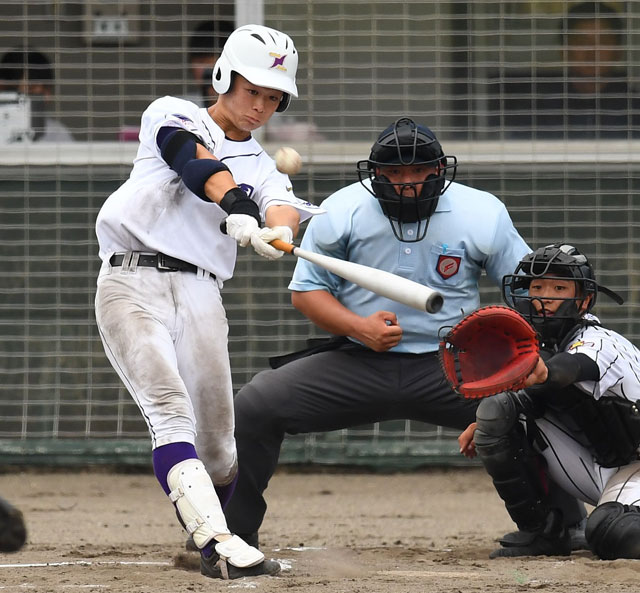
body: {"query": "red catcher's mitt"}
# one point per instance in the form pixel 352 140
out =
pixel 491 350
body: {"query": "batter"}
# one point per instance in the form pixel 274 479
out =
pixel 165 258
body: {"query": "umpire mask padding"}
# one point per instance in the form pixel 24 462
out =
pixel 406 143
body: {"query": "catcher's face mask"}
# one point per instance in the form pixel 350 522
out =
pixel 553 287
pixel 408 172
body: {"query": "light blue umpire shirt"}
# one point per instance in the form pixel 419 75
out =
pixel 470 230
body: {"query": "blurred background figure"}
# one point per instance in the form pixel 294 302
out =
pixel 589 96
pixel 13 532
pixel 28 73
pixel 205 46
pixel 593 41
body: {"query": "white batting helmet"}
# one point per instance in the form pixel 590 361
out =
pixel 264 56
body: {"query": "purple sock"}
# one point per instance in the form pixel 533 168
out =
pixel 225 492
pixel 165 457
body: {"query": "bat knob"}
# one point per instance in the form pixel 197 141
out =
pixel 223 227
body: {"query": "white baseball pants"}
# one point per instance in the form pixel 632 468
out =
pixel 573 467
pixel 165 333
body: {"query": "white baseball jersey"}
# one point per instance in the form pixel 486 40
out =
pixel 570 462
pixel 617 358
pixel 153 211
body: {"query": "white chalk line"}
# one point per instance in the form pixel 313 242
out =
pixel 85 563
pixel 29 586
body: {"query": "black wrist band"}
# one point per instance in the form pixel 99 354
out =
pixel 235 201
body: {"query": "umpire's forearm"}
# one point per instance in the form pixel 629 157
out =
pixel 326 312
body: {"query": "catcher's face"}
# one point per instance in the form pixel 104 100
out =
pixel 550 293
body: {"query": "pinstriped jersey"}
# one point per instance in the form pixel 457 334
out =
pixel 154 211
pixel 617 358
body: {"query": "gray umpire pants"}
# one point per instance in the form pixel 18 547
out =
pixel 331 391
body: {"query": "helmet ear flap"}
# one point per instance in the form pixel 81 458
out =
pixel 284 103
pixel 221 76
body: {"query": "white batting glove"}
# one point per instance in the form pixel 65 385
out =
pixel 261 238
pixel 240 227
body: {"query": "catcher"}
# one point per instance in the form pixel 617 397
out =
pixel 578 412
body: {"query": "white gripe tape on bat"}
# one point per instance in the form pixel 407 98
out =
pixel 195 498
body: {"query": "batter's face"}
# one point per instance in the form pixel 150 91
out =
pixel 550 293
pixel 403 175
pixel 245 108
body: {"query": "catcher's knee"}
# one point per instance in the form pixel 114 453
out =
pixel 613 531
pixel 496 416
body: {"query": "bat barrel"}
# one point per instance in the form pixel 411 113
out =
pixel 389 285
pixel 434 302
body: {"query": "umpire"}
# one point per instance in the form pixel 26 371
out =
pixel 406 216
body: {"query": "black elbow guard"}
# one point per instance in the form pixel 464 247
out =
pixel 196 173
pixel 177 147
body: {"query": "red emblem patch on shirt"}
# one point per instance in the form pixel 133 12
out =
pixel 448 265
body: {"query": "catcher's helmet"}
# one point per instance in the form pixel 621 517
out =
pixel 407 143
pixel 555 262
pixel 264 56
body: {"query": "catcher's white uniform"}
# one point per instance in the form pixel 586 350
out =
pixel 569 456
pixel 165 332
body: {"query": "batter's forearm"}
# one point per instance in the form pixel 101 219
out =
pixel 282 215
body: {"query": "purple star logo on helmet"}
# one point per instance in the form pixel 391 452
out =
pixel 278 61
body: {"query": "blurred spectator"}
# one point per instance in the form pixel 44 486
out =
pixel 29 73
pixel 205 46
pixel 590 98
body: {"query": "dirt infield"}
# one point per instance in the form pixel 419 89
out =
pixel 423 532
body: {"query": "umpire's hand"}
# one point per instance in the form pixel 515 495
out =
pixel 379 331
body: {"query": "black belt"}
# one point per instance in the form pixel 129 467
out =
pixel 160 261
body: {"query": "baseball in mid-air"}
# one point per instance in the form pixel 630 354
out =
pixel 288 161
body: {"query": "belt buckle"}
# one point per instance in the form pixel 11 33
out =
pixel 162 266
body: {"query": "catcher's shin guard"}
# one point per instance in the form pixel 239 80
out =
pixel 613 531
pixel 505 452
